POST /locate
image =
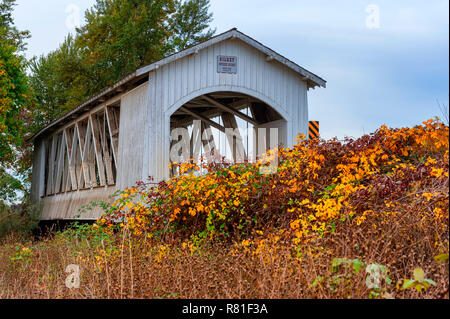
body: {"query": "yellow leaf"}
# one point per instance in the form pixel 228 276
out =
pixel 441 258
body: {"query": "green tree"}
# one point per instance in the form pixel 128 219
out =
pixel 14 100
pixel 10 32
pixel 9 186
pixel 190 23
pixel 120 36
pixel 58 80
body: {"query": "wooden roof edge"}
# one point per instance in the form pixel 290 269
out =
pixel 310 78
pixel 83 105
pixel 232 34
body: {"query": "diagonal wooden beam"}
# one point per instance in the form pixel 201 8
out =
pixel 97 149
pixel 89 155
pixel 229 109
pixel 51 166
pixel 106 150
pixel 68 144
pixel 202 118
pixel 77 156
pixel 83 139
pixel 196 141
pixel 71 142
pixel 66 176
pixel 55 163
pixel 113 129
pixel 240 103
pixel 215 112
pixel 209 144
pixel 60 164
pixel 81 155
pixel 234 140
pixel 234 105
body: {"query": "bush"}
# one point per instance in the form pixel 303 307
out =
pixel 20 219
pixel 319 187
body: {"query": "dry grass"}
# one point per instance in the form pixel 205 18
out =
pixel 129 268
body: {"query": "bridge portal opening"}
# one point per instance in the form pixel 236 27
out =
pixel 224 126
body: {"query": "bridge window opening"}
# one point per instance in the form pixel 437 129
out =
pixel 82 155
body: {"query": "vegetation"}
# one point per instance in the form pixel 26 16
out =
pixel 14 100
pixel 18 219
pixel 364 218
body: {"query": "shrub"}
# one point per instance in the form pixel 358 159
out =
pixel 390 175
pixel 20 219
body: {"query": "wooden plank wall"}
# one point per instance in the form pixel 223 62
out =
pixel 66 205
pixel 133 130
pixel 38 171
pixel 264 129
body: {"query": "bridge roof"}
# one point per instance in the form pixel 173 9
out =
pixel 138 76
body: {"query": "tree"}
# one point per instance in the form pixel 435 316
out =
pixel 120 36
pixel 117 38
pixel 59 82
pixel 14 99
pixel 10 32
pixel 190 23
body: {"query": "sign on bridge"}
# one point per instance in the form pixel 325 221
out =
pixel 226 64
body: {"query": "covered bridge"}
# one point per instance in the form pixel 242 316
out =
pixel 123 134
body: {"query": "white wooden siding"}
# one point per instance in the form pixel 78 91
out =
pixel 132 128
pixel 66 205
pixel 38 172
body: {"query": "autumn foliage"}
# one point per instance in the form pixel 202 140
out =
pixel 360 218
pixel 319 187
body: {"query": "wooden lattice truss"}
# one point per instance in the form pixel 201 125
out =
pixel 83 154
pixel 229 106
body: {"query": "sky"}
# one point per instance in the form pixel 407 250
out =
pixel 385 62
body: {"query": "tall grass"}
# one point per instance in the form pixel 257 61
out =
pixel 124 267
